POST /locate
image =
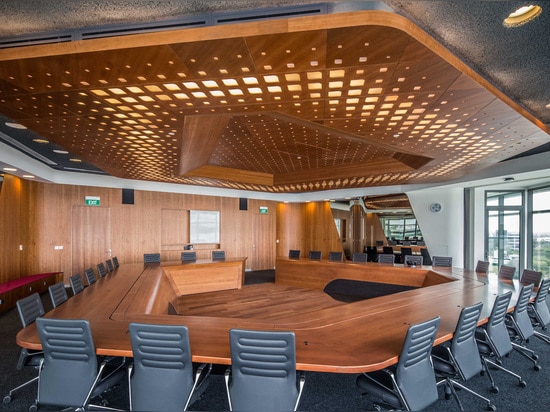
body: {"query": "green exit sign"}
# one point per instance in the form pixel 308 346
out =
pixel 263 210
pixel 92 201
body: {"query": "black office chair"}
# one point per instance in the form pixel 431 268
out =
pixel 188 256
pixel 405 251
pixel 426 255
pixel 493 340
pixel 538 309
pixel 109 265
pixel 520 327
pixel 459 359
pixel 359 257
pixel 262 376
pixel 76 283
pixel 218 255
pixel 482 266
pixel 506 272
pixel 115 262
pixel 29 308
pixel 101 271
pixel 90 276
pixel 411 384
pixel 315 254
pixel 443 261
pixel 294 254
pixel 151 258
pixel 529 276
pixel 58 294
pixel 161 376
pixel 70 375
pixel 335 256
pixel 372 253
pixel 387 250
pixel 413 260
pixel 386 258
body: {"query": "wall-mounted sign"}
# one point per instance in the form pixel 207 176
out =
pixel 263 210
pixel 92 201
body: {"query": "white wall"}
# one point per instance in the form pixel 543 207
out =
pixel 443 231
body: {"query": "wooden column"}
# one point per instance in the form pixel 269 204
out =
pixel 357 235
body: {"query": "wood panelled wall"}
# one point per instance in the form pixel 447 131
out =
pixel 40 216
pixel 306 226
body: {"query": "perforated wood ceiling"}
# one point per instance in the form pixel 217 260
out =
pixel 315 103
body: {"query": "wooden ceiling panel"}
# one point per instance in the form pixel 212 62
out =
pixel 337 104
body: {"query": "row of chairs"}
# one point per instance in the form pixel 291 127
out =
pixel 186 256
pixel 412 383
pixel 317 255
pixel 77 285
pixel 30 308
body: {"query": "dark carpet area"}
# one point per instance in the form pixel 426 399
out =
pixel 322 392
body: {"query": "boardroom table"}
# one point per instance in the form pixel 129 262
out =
pixel 360 336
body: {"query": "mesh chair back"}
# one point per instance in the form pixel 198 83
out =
pixel 90 276
pixel 414 373
pixel 336 256
pixel 162 378
pixel 151 258
pixel 404 252
pixel 115 262
pixel 218 255
pixel 76 283
pixel 529 276
pixel 506 272
pixel 101 271
pixel 445 261
pixel 522 322
pixel 110 266
pixel 496 327
pixel 464 346
pixel 30 308
pixel 263 371
pixel 359 257
pixel 294 254
pixel 189 256
pixel 70 363
pixel 542 313
pixel 413 260
pixel 482 266
pixel 315 254
pixel 58 294
pixel 386 258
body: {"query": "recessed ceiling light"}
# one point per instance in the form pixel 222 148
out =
pixel 44 141
pixel 548 106
pixel 509 179
pixel 15 125
pixel 522 15
pixel 10 169
pixel 60 151
pixel 28 176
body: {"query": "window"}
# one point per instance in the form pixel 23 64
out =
pixel 400 227
pixel 540 230
pixel 204 226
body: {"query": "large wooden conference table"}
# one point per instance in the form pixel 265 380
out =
pixel 354 337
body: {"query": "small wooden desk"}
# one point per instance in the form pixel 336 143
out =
pixel 352 338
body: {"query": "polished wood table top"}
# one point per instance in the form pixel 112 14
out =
pixel 348 338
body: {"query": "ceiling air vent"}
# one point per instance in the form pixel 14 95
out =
pixel 31 40
pixel 270 13
pixel 123 30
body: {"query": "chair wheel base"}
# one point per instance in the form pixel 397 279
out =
pixel 537 367
pixel 7 399
pixel 494 389
pixel 522 384
pixel 491 407
pixel 33 408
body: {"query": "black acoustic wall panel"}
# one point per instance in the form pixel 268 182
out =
pixel 127 196
pixel 243 203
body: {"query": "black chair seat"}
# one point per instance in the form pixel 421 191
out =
pixel 380 389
